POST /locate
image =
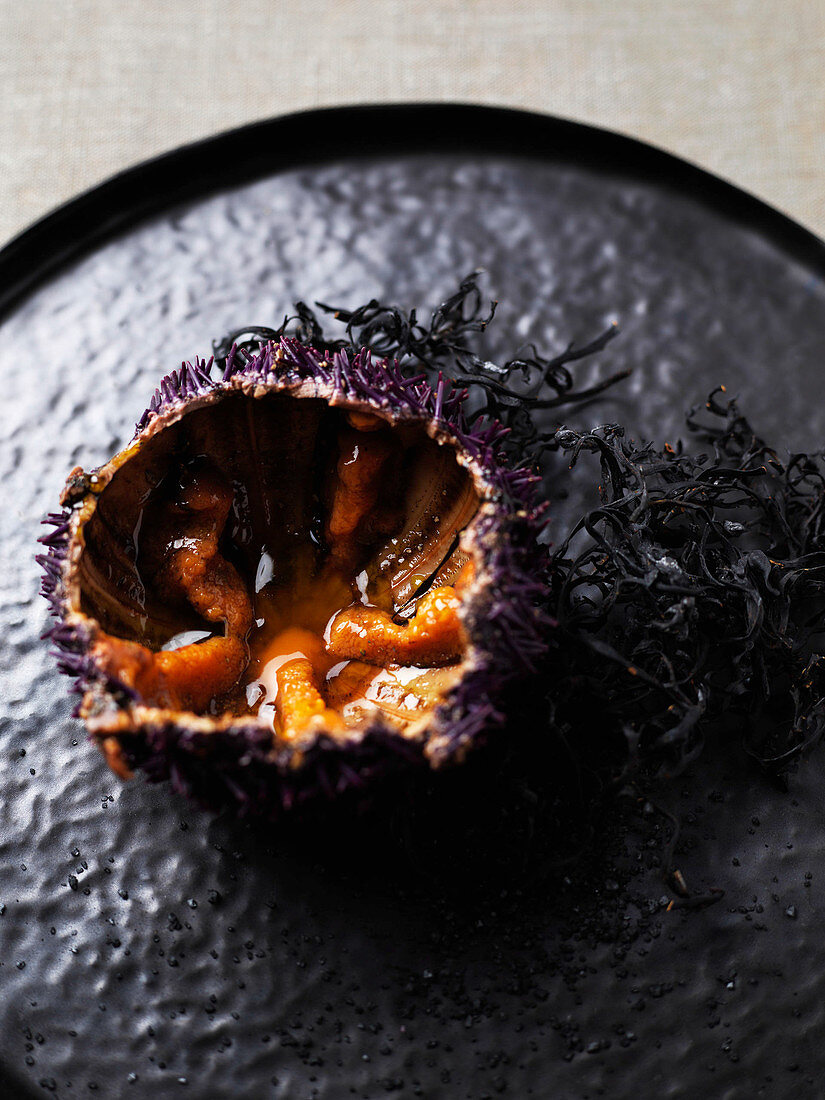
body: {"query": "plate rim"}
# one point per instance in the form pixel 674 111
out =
pixel 255 150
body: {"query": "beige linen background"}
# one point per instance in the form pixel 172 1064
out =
pixel 91 86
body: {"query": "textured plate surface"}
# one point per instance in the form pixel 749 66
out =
pixel 149 950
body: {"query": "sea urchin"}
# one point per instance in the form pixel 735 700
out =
pixel 304 572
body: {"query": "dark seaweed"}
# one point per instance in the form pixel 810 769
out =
pixel 688 599
pixel 510 393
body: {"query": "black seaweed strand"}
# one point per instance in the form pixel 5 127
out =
pixel 443 346
pixel 690 600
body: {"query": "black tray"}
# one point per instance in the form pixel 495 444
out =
pixel 150 950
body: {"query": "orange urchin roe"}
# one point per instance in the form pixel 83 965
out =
pixel 299 702
pixel 364 456
pixel 184 560
pixel 189 678
pixel 434 636
pixel 285 674
pixel 184 563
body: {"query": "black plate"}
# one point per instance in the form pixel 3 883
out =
pixel 149 950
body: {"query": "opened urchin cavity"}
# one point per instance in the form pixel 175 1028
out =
pixel 301 574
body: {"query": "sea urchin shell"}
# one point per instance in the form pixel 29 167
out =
pixel 303 573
